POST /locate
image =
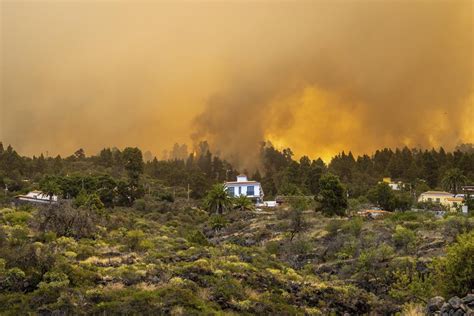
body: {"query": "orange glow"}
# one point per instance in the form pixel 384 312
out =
pixel 319 77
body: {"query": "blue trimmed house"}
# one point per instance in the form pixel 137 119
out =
pixel 251 189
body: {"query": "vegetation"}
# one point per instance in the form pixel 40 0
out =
pixel 453 179
pixel 217 200
pixel 332 195
pixel 243 203
pixel 131 237
pixel 455 271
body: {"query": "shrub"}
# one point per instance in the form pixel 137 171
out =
pixel 455 272
pixel 333 226
pixel 225 290
pixel 217 222
pixel 353 226
pixel 65 220
pixel 16 217
pixel 409 285
pixel 197 237
pixel 11 279
pixel 404 238
pixel 456 225
pixel 166 196
pixel 53 284
pixel 133 239
pixel 273 247
pixel 404 216
pixel 140 205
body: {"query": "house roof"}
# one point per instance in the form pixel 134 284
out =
pixel 241 182
pixel 36 195
pixel 436 193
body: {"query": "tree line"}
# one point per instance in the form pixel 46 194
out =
pixel 119 177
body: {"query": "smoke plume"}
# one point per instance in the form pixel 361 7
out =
pixel 319 77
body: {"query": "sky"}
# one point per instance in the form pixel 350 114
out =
pixel 317 76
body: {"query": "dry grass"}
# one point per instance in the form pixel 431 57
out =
pixel 412 309
pixel 204 293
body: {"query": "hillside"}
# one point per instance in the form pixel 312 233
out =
pixel 179 260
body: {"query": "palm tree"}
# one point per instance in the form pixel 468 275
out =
pixel 243 203
pixel 50 188
pixel 217 199
pixel 453 179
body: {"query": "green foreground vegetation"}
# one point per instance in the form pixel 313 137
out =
pixel 184 261
pixel 162 237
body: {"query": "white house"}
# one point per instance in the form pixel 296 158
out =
pixel 396 186
pixel 243 186
pixel 446 199
pixel 37 197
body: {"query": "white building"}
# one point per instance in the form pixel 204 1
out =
pixel 243 186
pixel 37 197
pixel 396 186
pixel 446 199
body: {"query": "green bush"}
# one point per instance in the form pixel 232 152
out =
pixel 455 272
pixel 353 226
pixel 334 226
pixel 404 238
pixel 197 237
pixel 133 238
pixel 217 222
pixel 140 205
pixel 16 217
pixel 455 225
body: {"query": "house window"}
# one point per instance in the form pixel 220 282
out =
pixel 430 199
pixel 250 190
pixel 240 190
pixel 437 200
pixel 231 191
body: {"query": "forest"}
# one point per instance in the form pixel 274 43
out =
pixel 279 172
pixel 146 236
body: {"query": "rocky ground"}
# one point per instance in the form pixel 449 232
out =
pixel 454 306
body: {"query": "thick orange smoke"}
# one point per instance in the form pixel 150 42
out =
pixel 318 77
pixel 358 77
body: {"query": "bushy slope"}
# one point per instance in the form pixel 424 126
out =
pixel 185 262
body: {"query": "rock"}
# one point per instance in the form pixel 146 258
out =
pixel 468 300
pixel 445 309
pixel 454 307
pixel 435 304
pixel 455 302
pixel 459 312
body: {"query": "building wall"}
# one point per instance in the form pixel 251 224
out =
pixel 395 186
pixel 434 198
pixel 243 189
pixel 441 199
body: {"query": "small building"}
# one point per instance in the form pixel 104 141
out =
pixel 454 203
pixel 36 197
pixel 468 190
pixel 394 185
pixel 448 200
pixel 251 189
pixel 373 214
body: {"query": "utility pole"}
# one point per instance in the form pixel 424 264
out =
pixel 188 191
